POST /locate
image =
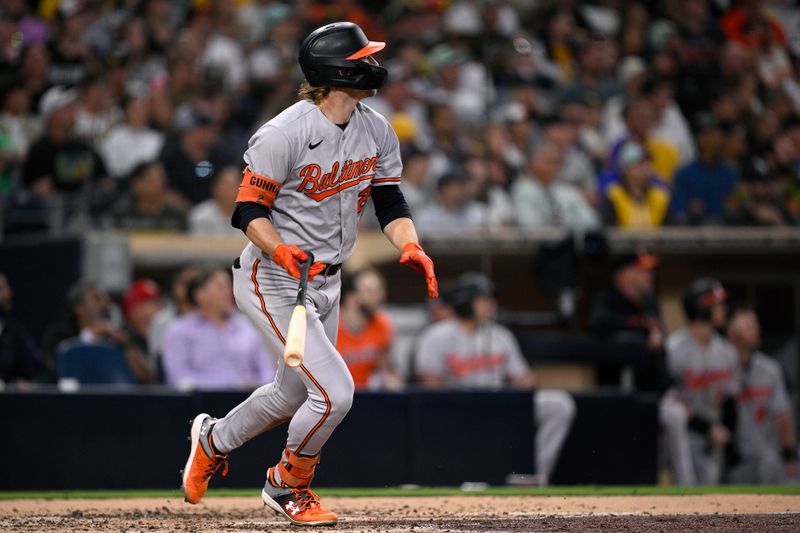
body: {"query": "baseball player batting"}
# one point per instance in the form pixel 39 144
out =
pixel 309 173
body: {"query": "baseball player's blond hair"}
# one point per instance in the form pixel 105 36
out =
pixel 315 94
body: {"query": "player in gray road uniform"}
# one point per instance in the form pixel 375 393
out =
pixel 472 351
pixel 765 432
pixel 699 414
pixel 309 173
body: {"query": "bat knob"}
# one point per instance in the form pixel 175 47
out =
pixel 293 360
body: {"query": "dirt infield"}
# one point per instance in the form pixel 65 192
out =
pixel 454 514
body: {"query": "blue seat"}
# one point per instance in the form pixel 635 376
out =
pixel 93 364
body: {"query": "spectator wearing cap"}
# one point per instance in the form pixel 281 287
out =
pixel 702 187
pixel 213 216
pixel 147 207
pixel 454 208
pixel 638 200
pixel 132 141
pixel 760 200
pixel 191 157
pixel 213 346
pixel 627 313
pixel 61 167
pixel 140 303
pixel 541 200
pixel 459 82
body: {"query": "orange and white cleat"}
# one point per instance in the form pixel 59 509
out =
pixel 203 461
pixel 300 505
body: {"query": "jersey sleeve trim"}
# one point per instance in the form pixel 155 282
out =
pixel 386 181
pixel 257 188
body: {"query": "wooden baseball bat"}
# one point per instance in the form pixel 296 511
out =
pixel 296 335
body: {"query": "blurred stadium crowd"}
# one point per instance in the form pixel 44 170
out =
pixel 134 114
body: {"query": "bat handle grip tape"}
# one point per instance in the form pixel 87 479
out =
pixel 304 267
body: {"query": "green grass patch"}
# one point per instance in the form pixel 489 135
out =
pixel 391 492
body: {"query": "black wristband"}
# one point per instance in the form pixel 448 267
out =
pixel 390 204
pixel 789 454
pixel 246 212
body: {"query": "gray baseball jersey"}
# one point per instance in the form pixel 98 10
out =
pixel 762 398
pixel 703 376
pixel 486 357
pixel 316 177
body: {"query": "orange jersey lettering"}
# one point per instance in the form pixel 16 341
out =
pixel 341 176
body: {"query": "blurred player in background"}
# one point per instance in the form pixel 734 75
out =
pixel 627 313
pixel 699 414
pixel 473 351
pixel 765 433
pixel 365 332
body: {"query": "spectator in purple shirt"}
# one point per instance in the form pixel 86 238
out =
pixel 213 346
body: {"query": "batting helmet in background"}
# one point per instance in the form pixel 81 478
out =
pixel 700 296
pixel 462 292
pixel 333 56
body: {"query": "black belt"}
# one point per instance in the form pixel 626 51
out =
pixel 329 270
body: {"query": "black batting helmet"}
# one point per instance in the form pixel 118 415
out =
pixel 333 56
pixel 463 291
pixel 700 296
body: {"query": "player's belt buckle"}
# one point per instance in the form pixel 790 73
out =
pixel 331 270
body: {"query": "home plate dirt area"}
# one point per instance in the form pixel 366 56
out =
pixel 729 512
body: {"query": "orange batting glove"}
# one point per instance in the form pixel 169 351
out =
pixel 415 257
pixel 289 257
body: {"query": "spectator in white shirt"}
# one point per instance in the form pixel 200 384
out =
pixel 132 141
pixel 541 200
pixel 454 208
pixel 213 216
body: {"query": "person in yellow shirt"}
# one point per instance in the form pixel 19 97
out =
pixel 638 200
